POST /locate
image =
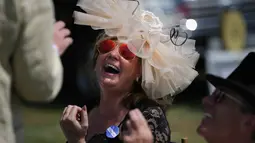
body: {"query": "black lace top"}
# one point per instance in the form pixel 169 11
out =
pixel 156 119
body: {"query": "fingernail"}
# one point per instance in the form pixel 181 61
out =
pixel 84 107
pixel 132 113
pixel 136 111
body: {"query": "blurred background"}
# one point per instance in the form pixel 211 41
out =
pixel 224 31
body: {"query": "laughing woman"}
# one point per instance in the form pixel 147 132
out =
pixel 136 65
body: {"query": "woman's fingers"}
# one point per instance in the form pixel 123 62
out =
pixel 84 117
pixel 129 128
pixel 84 107
pixel 64 112
pixel 128 139
pixel 133 125
pixel 127 135
pixel 71 113
pixel 67 112
pixel 141 119
pixel 74 112
pixel 138 129
pixel 137 119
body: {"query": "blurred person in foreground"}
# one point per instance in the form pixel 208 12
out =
pixel 30 66
pixel 138 69
pixel 229 113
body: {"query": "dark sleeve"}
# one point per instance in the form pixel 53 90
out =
pixel 158 123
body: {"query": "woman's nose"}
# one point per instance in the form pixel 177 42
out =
pixel 114 54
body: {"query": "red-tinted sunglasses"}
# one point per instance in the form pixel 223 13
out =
pixel 107 46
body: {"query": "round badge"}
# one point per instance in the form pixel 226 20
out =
pixel 112 132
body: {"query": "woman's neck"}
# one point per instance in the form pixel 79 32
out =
pixel 111 106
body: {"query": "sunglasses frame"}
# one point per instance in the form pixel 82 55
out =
pixel 117 45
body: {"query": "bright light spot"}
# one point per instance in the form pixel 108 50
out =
pixel 191 24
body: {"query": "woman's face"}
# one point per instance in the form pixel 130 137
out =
pixel 116 67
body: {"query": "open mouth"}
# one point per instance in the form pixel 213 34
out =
pixel 109 68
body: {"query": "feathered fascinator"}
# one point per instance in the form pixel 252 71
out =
pixel 168 60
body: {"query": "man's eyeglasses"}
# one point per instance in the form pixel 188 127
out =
pixel 219 95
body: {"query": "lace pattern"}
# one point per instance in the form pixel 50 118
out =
pixel 158 123
pixel 156 119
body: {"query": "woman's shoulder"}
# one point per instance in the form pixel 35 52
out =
pixel 157 120
pixel 152 110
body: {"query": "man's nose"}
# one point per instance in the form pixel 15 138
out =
pixel 208 101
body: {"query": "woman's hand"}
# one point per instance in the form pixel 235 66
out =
pixel 138 129
pixel 74 124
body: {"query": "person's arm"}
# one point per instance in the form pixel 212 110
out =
pixel 37 69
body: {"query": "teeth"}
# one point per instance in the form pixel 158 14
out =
pixel 112 66
pixel 207 115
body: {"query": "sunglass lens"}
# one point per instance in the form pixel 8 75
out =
pixel 125 52
pixel 106 46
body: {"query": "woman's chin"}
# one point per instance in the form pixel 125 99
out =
pixel 109 81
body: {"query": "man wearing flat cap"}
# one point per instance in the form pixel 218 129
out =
pixel 229 113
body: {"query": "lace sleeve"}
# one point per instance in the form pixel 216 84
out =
pixel 158 124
